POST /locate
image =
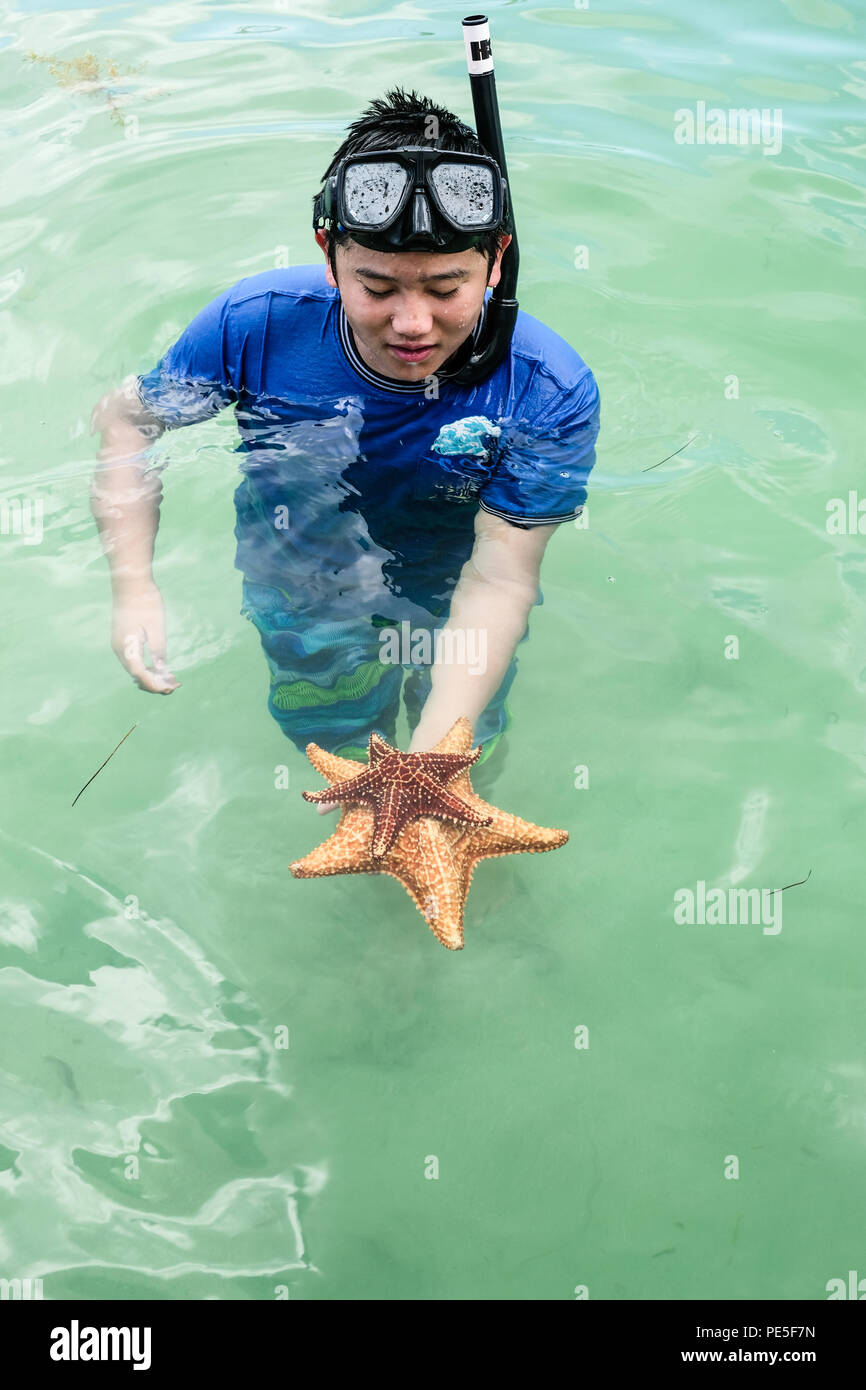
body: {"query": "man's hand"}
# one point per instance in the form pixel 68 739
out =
pixel 138 621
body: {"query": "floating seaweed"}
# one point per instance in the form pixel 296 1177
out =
pixel 92 75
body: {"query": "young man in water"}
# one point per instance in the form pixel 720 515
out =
pixel 389 517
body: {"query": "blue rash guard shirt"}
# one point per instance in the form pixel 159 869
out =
pixel 360 491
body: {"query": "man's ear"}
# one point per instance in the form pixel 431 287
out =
pixel 496 269
pixel 322 242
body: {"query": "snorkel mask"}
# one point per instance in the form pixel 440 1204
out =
pixel 422 198
pixel 414 199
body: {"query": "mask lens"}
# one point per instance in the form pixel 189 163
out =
pixel 371 192
pixel 465 192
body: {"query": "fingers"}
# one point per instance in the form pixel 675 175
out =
pixel 167 681
pixel 156 679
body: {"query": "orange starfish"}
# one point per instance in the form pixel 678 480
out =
pixel 401 787
pixel 433 859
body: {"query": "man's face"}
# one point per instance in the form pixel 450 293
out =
pixel 410 310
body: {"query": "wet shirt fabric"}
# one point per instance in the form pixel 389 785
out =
pixel 359 492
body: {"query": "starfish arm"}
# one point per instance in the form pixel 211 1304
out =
pixel 510 835
pixel 440 886
pixel 507 833
pixel 361 788
pixel 445 766
pixel 408 865
pixel 379 748
pixel 422 862
pixel 523 836
pixel 346 851
pixel 458 738
pixel 518 834
pixel 442 802
pixel 334 768
pixel 390 818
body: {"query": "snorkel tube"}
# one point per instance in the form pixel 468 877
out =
pixel 501 315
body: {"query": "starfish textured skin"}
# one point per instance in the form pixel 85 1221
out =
pixel 433 859
pixel 403 786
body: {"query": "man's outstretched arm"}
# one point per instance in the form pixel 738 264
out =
pixel 125 501
pixel 490 608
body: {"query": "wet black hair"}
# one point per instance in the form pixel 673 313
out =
pixel 405 118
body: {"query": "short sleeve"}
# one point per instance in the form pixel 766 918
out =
pixel 542 465
pixel 195 378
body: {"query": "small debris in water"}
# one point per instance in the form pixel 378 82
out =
pixel 107 760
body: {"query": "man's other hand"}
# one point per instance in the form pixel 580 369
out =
pixel 138 622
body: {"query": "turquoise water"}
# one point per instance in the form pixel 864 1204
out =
pixel 154 1140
